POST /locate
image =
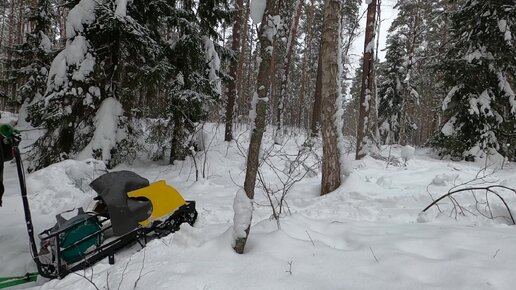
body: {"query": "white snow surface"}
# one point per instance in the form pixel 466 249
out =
pixel 369 234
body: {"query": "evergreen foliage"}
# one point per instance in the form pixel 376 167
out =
pixel 389 90
pixel 411 85
pixel 147 59
pixel 69 98
pixel 30 61
pixel 480 67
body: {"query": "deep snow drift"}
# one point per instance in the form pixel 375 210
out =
pixel 369 234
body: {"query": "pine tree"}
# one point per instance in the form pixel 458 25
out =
pixel 480 69
pixel 331 167
pixel 366 131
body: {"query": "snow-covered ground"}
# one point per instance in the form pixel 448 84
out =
pixel 369 234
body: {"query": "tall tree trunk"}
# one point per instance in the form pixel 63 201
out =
pixel 3 26
pixel 242 93
pixel 260 98
pixel 233 72
pixel 10 47
pixel 286 70
pixel 331 178
pixel 20 24
pixel 306 55
pixel 62 23
pixel 407 102
pixel 364 132
pixel 279 9
pixel 316 112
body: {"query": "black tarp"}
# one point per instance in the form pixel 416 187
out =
pixel 124 212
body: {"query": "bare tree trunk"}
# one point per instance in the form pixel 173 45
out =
pixel 306 55
pixel 331 178
pixel 10 46
pixel 233 72
pixel 247 86
pixel 62 22
pixel 3 27
pixel 364 133
pixel 260 109
pixel 21 22
pixel 242 92
pixel 10 26
pixel 286 70
pixel 316 112
pixel 407 103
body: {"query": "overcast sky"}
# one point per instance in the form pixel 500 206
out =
pixel 388 13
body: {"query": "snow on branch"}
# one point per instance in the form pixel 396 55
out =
pixel 107 132
pixel 213 63
pixel 82 14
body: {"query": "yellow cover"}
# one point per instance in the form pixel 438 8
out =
pixel 164 199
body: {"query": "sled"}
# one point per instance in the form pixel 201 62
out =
pixel 128 210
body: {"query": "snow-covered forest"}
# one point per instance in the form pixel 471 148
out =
pixel 311 167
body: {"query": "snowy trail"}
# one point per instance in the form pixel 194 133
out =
pixel 369 234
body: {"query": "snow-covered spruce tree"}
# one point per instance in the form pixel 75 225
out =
pixel 480 71
pixel 94 83
pixel 69 94
pixel 389 90
pixel 31 60
pixel 196 78
pixel 410 81
pixel 400 95
pixel 132 65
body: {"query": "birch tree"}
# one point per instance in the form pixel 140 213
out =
pixel 243 201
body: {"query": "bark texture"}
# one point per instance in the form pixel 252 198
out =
pixel 365 135
pixel 261 99
pixel 233 73
pixel 331 175
pixel 286 68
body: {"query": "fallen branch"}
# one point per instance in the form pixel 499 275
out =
pixel 488 189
